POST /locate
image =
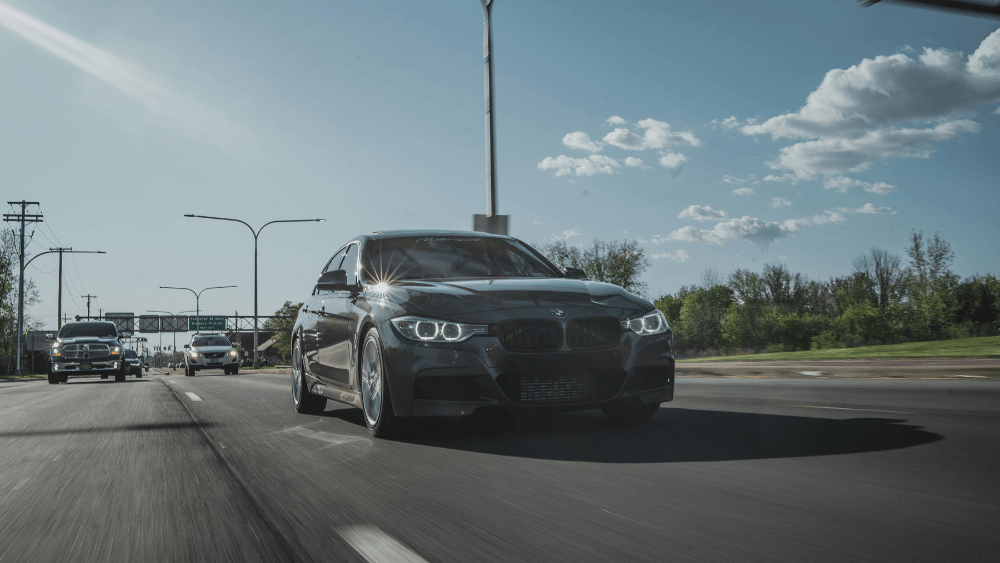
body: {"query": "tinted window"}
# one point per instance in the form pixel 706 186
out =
pixel 350 264
pixel 103 330
pixel 211 341
pixel 452 257
pixel 334 263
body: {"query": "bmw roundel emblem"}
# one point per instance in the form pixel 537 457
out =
pixel 558 313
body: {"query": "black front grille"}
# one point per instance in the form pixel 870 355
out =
pixel 585 334
pixel 530 335
pixel 562 388
pixel 214 355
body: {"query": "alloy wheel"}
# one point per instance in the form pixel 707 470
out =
pixel 371 382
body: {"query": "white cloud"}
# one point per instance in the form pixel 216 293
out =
pixel 779 202
pixel 615 120
pixel 136 82
pixel 868 209
pixel 679 256
pixel 659 239
pixel 791 178
pixel 635 162
pixel 757 232
pixel 744 191
pixel 672 159
pixel 876 109
pixel 845 184
pixel 657 135
pixel 572 233
pixel 702 213
pixel 594 164
pixel 581 140
pixel 727 179
pixel 732 123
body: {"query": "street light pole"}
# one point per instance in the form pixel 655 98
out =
pixel 197 297
pixel 491 222
pixel 256 359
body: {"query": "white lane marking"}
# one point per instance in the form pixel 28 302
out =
pixel 956 375
pixel 193 397
pixel 378 547
pixel 629 519
pixel 813 373
pixel 328 437
pixel 846 409
pixel 169 381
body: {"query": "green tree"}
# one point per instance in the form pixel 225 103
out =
pixel 283 328
pixel 702 316
pixel 620 262
pixel 931 287
pixel 8 302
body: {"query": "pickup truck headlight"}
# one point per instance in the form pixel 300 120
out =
pixel 652 323
pixel 116 349
pixel 431 330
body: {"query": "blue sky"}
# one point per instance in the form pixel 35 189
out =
pixel 799 131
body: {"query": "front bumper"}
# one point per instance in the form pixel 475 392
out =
pixel 201 362
pixel 455 379
pixel 87 367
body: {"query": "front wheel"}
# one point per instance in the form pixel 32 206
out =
pixel 53 378
pixel 304 401
pixel 375 400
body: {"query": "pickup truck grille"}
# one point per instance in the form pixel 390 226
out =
pixel 86 351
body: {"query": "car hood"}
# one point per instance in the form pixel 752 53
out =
pixel 475 300
pixel 88 340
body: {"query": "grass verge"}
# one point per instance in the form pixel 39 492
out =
pixel 987 347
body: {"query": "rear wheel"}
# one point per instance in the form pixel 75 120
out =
pixel 304 401
pixel 630 410
pixel 375 400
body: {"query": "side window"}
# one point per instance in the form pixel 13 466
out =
pixel 334 263
pixel 351 264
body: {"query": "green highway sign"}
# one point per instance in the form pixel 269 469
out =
pixel 206 323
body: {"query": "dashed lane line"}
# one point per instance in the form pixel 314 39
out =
pixel 193 397
pixel 846 409
pixel 378 547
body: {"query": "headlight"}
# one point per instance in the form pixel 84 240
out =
pixel 116 350
pixel 653 323
pixel 194 354
pixel 55 351
pixel 232 353
pixel 430 330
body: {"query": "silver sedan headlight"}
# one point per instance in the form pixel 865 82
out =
pixel 431 330
pixel 652 323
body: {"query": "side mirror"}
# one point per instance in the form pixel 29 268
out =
pixel 187 346
pixel 126 334
pixel 50 336
pixel 335 280
pixel 575 274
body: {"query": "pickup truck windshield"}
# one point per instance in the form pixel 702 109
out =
pixel 100 330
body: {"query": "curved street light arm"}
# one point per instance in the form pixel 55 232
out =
pixel 216 287
pixel 224 219
pixel 289 221
pixel 65 252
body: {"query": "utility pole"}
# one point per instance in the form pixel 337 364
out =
pixel 22 218
pixel 491 222
pixel 88 303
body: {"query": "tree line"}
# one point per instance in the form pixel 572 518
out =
pixel 885 300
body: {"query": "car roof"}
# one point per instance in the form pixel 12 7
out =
pixel 429 233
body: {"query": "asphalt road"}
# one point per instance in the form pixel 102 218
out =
pixel 220 468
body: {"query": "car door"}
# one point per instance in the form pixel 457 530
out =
pixel 335 349
pixel 312 312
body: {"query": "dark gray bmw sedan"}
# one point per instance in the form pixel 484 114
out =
pixel 441 323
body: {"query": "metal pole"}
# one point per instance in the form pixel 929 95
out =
pixel 20 298
pixel 491 155
pixel 59 320
pixel 256 360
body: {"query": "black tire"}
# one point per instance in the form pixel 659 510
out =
pixel 139 375
pixel 122 373
pixel 54 379
pixel 119 377
pixel 236 369
pixel 304 401
pixel 104 376
pixel 630 410
pixel 381 421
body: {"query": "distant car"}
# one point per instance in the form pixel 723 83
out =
pixel 211 351
pixel 134 363
pixel 87 348
pixel 441 323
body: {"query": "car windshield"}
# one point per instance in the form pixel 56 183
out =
pixel 101 330
pixel 441 257
pixel 211 341
pixel 131 354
